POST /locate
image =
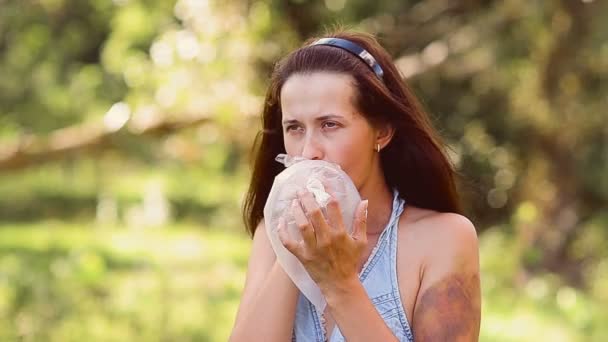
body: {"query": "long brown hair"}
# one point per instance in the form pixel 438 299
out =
pixel 415 161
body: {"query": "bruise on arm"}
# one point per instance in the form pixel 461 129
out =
pixel 449 310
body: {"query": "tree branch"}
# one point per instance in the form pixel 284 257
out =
pixel 33 150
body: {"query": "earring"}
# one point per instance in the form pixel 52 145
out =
pixel 378 147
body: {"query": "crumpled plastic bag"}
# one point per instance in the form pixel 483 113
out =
pixel 319 177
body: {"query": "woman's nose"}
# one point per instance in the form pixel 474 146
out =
pixel 311 149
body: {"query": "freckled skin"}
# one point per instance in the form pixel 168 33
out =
pixel 450 310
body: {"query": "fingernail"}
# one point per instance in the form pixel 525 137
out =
pixel 365 204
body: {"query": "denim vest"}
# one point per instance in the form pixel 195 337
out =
pixel 379 278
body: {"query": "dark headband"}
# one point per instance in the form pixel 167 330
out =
pixel 355 50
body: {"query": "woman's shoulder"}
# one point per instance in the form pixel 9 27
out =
pixel 437 234
pixel 432 246
pixel 434 224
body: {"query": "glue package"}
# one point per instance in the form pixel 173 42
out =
pixel 320 178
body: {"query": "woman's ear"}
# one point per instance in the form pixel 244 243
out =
pixel 384 135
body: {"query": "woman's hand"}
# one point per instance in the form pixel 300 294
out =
pixel 329 254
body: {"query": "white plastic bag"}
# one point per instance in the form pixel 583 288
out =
pixel 314 176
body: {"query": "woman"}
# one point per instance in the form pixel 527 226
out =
pixel 411 267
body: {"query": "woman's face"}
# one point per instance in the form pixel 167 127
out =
pixel 320 121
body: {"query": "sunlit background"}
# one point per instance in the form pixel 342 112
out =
pixel 125 135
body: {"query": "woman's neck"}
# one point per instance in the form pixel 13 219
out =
pixel 380 205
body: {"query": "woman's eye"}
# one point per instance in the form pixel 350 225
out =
pixel 330 124
pixel 292 128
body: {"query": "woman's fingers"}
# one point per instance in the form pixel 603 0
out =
pixel 315 216
pixel 335 215
pixel 360 224
pixel 306 229
pixel 313 225
pixel 291 245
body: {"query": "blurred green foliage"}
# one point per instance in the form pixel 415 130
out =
pixel 518 88
pixel 62 282
pixel 67 282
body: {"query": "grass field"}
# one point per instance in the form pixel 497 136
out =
pixel 71 282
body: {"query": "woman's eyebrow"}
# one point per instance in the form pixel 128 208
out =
pixel 329 116
pixel 320 118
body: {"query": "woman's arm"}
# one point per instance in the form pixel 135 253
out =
pixel 448 305
pixel 268 304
